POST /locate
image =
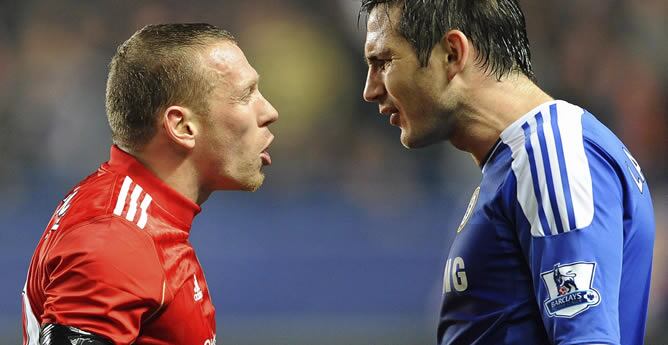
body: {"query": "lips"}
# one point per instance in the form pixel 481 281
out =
pixel 395 119
pixel 266 158
pixel 388 110
pixel 264 155
pixel 393 113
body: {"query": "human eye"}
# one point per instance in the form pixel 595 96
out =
pixel 380 64
pixel 248 94
pixel 246 97
pixel 374 64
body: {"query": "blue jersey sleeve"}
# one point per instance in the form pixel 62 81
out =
pixel 583 216
pixel 569 220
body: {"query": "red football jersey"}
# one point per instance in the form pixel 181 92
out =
pixel 115 260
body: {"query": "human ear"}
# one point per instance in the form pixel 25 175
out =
pixel 457 50
pixel 179 126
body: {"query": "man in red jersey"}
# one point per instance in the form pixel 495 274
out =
pixel 114 265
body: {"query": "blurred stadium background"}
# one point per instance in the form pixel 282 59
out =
pixel 345 242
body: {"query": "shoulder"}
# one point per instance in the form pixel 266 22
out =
pixel 87 200
pixel 552 163
pixel 106 251
pixel 93 223
pixel 103 194
pixel 105 240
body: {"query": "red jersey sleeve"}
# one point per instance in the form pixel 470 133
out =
pixel 103 277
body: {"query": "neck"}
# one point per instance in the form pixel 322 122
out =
pixel 174 168
pixel 489 108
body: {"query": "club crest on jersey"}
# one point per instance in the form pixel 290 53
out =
pixel 570 289
pixel 469 209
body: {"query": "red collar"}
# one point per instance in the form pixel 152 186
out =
pixel 172 201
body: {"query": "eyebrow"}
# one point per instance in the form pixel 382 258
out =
pixel 252 84
pixel 376 56
pixel 369 59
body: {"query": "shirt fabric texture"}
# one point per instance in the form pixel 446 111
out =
pixel 115 260
pixel 556 246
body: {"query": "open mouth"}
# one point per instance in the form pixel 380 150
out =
pixel 264 155
pixel 395 119
pixel 266 158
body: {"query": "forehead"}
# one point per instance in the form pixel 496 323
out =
pixel 381 27
pixel 228 62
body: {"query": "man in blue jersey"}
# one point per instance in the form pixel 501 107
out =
pixel 556 246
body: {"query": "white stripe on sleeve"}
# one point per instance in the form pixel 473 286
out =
pixel 132 209
pixel 143 217
pixel 122 196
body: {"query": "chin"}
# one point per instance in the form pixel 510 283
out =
pixel 416 142
pixel 252 184
pixel 249 183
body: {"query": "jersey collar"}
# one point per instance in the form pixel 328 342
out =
pixel 182 208
pixel 489 154
pixel 514 130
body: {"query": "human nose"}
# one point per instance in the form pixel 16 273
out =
pixel 269 116
pixel 373 88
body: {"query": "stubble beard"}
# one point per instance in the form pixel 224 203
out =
pixel 253 177
pixel 436 133
pixel 254 183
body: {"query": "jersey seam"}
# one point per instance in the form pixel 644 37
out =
pixel 164 279
pixel 162 302
pixel 110 199
pixel 110 217
pixel 608 159
pixel 492 152
pixel 66 231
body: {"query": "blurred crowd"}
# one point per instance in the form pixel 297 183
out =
pixel 609 56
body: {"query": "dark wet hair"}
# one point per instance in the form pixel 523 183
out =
pixel 155 68
pixel 496 29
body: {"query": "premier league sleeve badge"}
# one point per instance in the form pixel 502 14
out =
pixel 570 289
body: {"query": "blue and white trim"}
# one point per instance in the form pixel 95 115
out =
pixel 554 186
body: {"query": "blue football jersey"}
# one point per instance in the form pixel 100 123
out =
pixel 556 244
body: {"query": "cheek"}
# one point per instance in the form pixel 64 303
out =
pixel 233 127
pixel 402 88
pixel 395 84
pixel 242 135
pixel 222 142
pixel 232 134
